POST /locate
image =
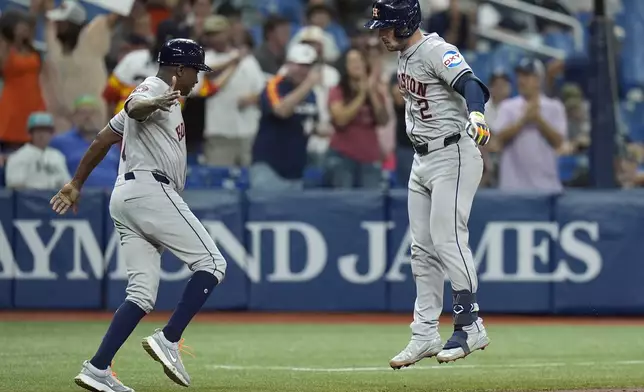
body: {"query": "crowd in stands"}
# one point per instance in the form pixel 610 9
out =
pixel 301 96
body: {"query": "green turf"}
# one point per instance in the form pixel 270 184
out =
pixel 46 356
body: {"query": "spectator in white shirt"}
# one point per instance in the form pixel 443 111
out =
pixel 319 143
pixel 232 115
pixel 36 165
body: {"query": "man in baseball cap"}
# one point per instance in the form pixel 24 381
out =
pixel 500 89
pixel 529 130
pixel 529 66
pixel 36 165
pixel 289 117
pixel 41 127
pixel 299 59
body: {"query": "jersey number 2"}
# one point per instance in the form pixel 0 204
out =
pixel 181 131
pixel 424 109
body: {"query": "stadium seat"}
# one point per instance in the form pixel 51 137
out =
pixel 584 17
pixel 560 40
pixel 633 117
pixel 241 178
pixel 631 55
pixel 257 32
pixel 391 179
pixel 481 64
pixel 313 177
pixel 291 10
pixel 568 165
pixel 193 159
pixel 506 56
pixel 216 177
pixel 219 177
pixel 195 178
pixel 339 36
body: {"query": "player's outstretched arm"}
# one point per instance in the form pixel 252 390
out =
pixel 140 107
pixel 69 194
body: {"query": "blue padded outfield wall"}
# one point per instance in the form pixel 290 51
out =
pixel 575 253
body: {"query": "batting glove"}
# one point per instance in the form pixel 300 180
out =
pixel 477 128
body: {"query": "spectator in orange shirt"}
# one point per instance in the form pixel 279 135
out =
pixel 357 108
pixel 21 67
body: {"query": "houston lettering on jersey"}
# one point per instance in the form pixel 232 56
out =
pixel 407 83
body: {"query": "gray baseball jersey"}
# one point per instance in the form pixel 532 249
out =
pixel 150 216
pixel 158 143
pixel 443 182
pixel 426 74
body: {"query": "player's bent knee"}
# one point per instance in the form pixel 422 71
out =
pixel 146 303
pixel 215 265
pixel 142 292
pixel 220 269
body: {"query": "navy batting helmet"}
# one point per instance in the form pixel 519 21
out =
pixel 403 15
pixel 182 51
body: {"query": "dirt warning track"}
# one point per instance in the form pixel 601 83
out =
pixel 314 318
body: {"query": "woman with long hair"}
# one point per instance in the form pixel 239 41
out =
pixel 357 106
pixel 21 66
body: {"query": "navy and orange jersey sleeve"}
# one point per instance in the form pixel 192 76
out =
pixel 207 88
pixel 118 86
pixel 113 91
pixel 273 93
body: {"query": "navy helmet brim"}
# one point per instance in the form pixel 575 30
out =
pixel 198 67
pixel 203 67
pixel 379 24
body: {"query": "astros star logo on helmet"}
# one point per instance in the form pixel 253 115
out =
pixel 375 12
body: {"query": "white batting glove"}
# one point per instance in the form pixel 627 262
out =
pixel 477 128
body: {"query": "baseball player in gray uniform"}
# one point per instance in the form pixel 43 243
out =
pixel 150 215
pixel 445 122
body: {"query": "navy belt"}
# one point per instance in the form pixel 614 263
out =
pixel 159 177
pixel 423 149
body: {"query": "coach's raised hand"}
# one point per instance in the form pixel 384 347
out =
pixel 140 108
pixel 166 101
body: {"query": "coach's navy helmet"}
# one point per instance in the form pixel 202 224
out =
pixel 403 15
pixel 183 51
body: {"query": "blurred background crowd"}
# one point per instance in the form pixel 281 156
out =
pixel 67 66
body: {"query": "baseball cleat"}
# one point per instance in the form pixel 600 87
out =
pixel 464 342
pixel 415 351
pixel 168 354
pixel 97 380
